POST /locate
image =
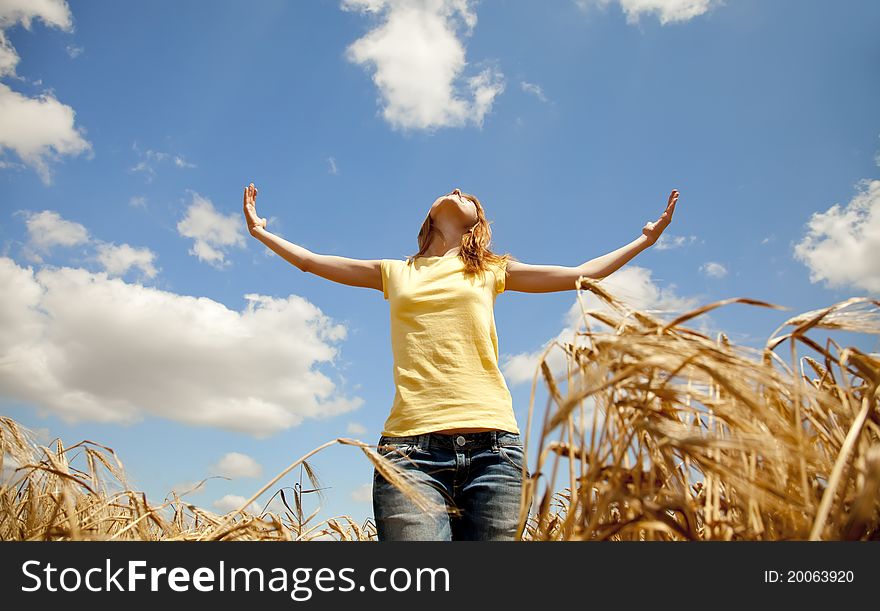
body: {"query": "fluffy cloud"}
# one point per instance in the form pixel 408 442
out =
pixel 211 231
pixel 842 245
pixel 53 13
pixel 667 11
pixel 713 269
pixel 633 285
pixel 89 347
pixel 47 229
pixel 118 259
pixel 235 465
pixel 39 130
pixel 418 59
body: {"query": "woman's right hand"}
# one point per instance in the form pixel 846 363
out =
pixel 250 209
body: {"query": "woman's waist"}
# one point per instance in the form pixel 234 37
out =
pixel 461 440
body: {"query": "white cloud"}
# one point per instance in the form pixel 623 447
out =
pixel 87 347
pixel 138 201
pixel 634 286
pixel 212 231
pixel 39 130
pixel 231 502
pixel 355 428
pixel 333 169
pixel 418 59
pixel 362 494
pixel 47 230
pixel 53 13
pixel 669 241
pixel 534 90
pixel 667 11
pixel 235 465
pixel 713 269
pixel 118 259
pixel 8 56
pixel 842 245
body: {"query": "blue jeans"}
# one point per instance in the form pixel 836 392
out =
pixel 480 474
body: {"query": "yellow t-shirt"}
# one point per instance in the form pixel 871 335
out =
pixel 445 347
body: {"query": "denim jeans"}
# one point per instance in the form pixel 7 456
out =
pixel 480 474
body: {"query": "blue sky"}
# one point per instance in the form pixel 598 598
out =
pixel 139 313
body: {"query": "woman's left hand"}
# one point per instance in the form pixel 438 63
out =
pixel 653 230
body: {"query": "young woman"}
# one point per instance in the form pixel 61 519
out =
pixel 452 422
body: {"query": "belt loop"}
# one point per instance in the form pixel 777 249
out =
pixel 494 441
pixel 423 441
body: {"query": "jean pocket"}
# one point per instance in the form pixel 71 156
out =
pixel 514 455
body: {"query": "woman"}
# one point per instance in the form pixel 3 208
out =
pixel 452 423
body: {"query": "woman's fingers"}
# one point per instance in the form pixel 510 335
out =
pixel 670 206
pixel 250 194
pixel 250 208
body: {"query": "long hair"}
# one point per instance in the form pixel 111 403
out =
pixel 475 242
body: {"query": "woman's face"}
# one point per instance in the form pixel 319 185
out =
pixel 455 206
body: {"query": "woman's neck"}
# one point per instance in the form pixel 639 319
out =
pixel 440 247
pixel 450 253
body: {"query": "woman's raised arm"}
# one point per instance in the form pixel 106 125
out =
pixel 353 272
pixel 549 278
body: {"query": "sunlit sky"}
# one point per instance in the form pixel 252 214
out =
pixel 138 312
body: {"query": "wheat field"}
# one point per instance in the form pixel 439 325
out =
pixel 655 432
